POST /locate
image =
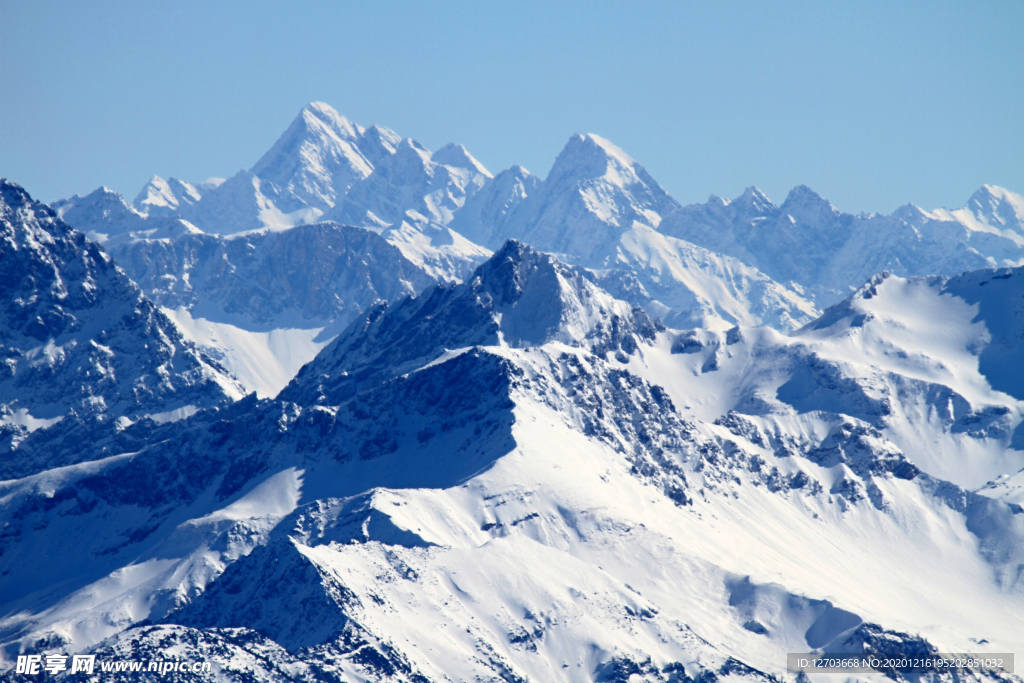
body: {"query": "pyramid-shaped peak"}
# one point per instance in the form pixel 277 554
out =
pixel 541 299
pixel 993 191
pixel 320 108
pixel 324 114
pixel 591 157
pixel 993 195
pixel 105 197
pixel 910 213
pixel 801 194
pixel 517 171
pixel 753 197
pixel 164 196
pixel 803 200
pixel 457 156
pixel 606 146
pixel 156 192
pixel 997 206
pixel 515 252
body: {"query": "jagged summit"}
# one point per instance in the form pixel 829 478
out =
pixel 380 143
pixel 519 297
pixel 803 199
pixel 318 158
pixel 169 197
pixel 79 336
pixel 317 113
pixel 997 207
pixel 102 211
pixel 487 217
pixel 829 253
pixel 590 160
pixel 413 180
pixel 755 201
pixel 589 156
pixel 456 155
pixel 593 193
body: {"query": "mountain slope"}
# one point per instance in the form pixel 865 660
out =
pixel 925 361
pixel 268 301
pixel 829 253
pixel 80 339
pixel 322 155
pixel 600 209
pixel 480 484
pixel 412 179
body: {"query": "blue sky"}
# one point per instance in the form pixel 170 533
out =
pixel 871 104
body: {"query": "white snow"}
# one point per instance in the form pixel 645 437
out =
pixel 263 362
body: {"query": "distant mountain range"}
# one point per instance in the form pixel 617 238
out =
pixel 597 208
pixel 504 428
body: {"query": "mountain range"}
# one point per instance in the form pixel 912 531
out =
pixel 369 413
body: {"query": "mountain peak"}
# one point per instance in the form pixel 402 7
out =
pixel 754 200
pixel 801 194
pixel 456 155
pixel 155 193
pixel 318 158
pixel 165 197
pixel 114 352
pixel 591 156
pixel 15 200
pixel 520 297
pixel 324 114
pixel 995 205
pixel 102 211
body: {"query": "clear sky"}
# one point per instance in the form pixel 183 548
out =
pixel 872 104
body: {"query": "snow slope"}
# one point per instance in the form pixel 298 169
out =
pixel 265 302
pixel 480 484
pixel 81 344
pixel 829 253
pixel 600 209
pixel 262 361
pixel 928 362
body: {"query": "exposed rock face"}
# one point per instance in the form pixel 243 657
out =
pixel 78 337
pixel 308 276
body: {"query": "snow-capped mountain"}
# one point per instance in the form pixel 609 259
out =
pixel 593 194
pixel 322 155
pixel 600 209
pixel 930 363
pixel 597 208
pixel 266 302
pixel 322 164
pixel 102 212
pixel 828 253
pixel 485 216
pixel 518 478
pixel 170 197
pixel 80 341
pixel 412 179
pixel 325 166
pixel 103 215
